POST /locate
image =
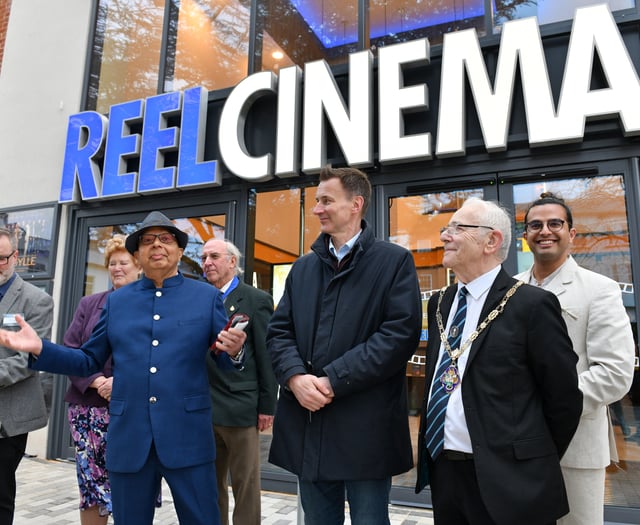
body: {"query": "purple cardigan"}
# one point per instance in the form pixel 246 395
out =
pixel 85 318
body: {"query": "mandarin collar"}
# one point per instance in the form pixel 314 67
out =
pixel 176 280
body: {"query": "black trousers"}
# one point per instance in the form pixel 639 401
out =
pixel 11 452
pixel 455 493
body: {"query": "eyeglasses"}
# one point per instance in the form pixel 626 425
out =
pixel 149 238
pixel 4 259
pixel 554 225
pixel 213 256
pixel 456 229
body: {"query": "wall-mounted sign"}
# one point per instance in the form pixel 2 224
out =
pixel 35 230
pixel 98 148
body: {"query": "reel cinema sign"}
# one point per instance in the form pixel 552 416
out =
pixel 90 133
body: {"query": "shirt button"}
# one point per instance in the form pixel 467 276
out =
pixel 153 369
pixel 156 317
pixel 158 293
pixel 152 399
pixel 155 342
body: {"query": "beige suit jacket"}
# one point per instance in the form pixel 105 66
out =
pixel 601 334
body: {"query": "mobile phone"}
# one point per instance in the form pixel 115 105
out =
pixel 239 321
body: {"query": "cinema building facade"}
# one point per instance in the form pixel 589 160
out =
pixel 220 113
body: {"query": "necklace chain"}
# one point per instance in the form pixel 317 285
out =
pixel 454 354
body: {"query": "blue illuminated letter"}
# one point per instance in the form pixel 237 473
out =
pixel 192 172
pixel 157 139
pixel 121 145
pixel 85 136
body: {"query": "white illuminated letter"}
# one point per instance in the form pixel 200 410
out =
pixel 594 27
pixel 521 42
pixel 288 138
pixel 231 131
pixel 395 99
pixel 352 126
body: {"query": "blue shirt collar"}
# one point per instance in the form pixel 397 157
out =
pixel 345 248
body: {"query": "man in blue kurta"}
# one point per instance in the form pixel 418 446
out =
pixel 159 330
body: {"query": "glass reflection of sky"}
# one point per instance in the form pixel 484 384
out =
pixel 385 19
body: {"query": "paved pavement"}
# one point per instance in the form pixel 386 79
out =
pixel 47 493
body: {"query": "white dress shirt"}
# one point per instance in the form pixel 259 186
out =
pixel 456 434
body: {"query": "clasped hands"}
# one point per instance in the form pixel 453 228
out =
pixel 312 392
pixel 103 385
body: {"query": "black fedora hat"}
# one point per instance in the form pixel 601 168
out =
pixel 159 220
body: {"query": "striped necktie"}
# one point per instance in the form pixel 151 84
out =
pixel 437 407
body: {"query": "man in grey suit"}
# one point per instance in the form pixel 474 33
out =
pixel 22 406
pixel 244 401
pixel 599 329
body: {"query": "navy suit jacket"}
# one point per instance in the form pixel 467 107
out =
pixel 521 403
pixel 159 338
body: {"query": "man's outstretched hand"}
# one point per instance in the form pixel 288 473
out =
pixel 24 340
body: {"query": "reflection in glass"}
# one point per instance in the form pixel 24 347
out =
pixel 549 11
pixel 393 21
pixel 301 31
pixel 126 52
pixel 415 222
pixel 208 44
pixel 33 229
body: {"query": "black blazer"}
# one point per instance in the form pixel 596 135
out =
pixel 238 396
pixel 521 401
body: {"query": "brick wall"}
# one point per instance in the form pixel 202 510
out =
pixel 5 8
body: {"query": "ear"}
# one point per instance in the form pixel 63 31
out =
pixel 494 241
pixel 357 203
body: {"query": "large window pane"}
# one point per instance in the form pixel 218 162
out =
pixel 394 21
pixel 126 52
pixel 208 44
pixel 549 11
pixel 300 31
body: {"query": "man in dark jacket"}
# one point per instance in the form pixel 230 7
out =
pixel 347 323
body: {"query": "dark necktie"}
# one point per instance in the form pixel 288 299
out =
pixel 437 407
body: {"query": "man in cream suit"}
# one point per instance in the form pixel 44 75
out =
pixel 22 407
pixel 601 334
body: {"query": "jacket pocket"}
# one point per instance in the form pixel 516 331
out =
pixel 534 448
pixel 195 403
pixel 116 407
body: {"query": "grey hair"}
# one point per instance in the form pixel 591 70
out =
pixel 5 232
pixel 495 215
pixel 233 251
